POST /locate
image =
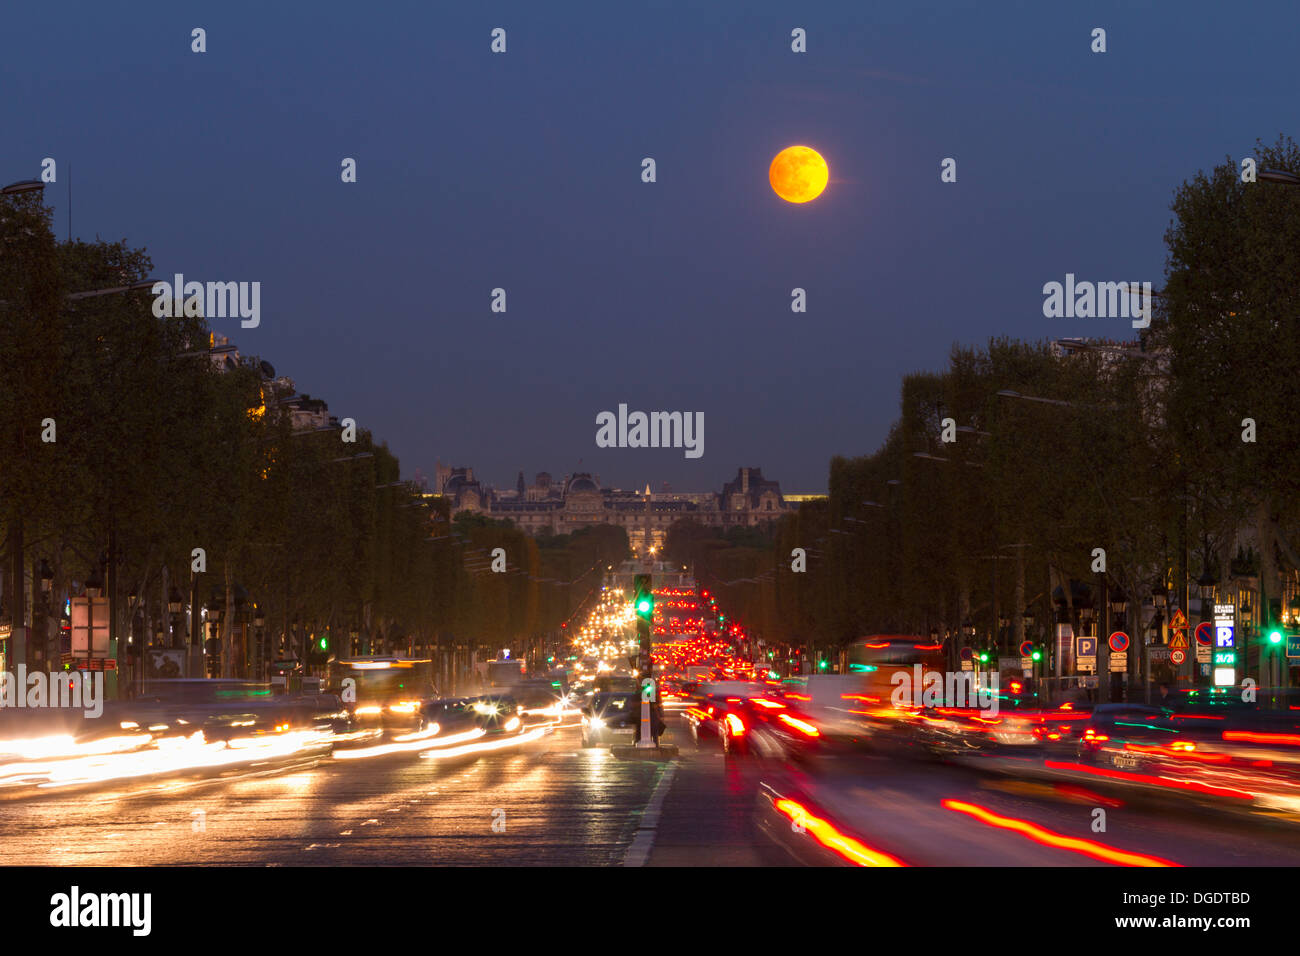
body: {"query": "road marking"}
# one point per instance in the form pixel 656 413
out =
pixel 644 841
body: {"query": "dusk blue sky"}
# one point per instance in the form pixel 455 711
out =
pixel 522 171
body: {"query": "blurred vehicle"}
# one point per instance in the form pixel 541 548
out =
pixel 610 718
pixel 386 692
pixel 505 672
pixel 746 718
pixel 1201 745
pixel 452 715
pixel 540 695
pixel 610 684
pixel 497 713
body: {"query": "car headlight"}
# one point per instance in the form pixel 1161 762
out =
pixel 596 723
pixel 512 723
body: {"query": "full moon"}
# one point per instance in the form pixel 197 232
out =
pixel 798 174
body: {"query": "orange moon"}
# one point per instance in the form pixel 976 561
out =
pixel 798 174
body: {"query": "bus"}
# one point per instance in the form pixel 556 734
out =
pixel 873 661
pixel 382 690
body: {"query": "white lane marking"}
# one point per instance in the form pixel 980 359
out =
pixel 644 841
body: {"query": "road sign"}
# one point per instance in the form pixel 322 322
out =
pixel 1118 663
pixel 1204 642
pixel 1026 663
pixel 1177 656
pixel 1178 620
pixel 1026 648
pixel 1118 642
pixel 967 654
pixel 1293 645
pixel 1085 653
pixel 1178 639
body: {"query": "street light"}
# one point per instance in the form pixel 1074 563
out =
pixel 22 186
pixel 1280 176
pixel 1206 585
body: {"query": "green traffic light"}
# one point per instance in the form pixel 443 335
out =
pixel 643 606
pixel 1275 637
pixel 324 643
pixel 984 656
pixel 822 665
pixel 1037 655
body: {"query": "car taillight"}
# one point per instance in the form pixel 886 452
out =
pixel 735 723
pixel 1091 735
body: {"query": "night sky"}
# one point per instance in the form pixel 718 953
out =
pixel 523 171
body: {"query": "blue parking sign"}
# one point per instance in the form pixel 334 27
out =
pixel 1086 646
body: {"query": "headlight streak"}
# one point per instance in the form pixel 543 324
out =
pixel 173 755
pixel 499 743
pixel 410 746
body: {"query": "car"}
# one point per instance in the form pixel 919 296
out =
pixel 452 714
pixel 610 717
pixel 497 713
pixel 746 719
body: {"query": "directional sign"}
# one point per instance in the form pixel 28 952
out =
pixel 1293 645
pixel 1177 656
pixel 1118 642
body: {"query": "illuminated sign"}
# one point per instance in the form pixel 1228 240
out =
pixel 1225 654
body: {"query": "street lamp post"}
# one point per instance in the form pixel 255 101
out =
pixel 1207 585
pixel 1119 621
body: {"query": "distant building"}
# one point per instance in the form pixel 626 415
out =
pixel 578 501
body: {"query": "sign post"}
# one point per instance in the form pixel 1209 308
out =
pixel 1224 660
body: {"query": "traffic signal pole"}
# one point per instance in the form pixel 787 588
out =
pixel 644 605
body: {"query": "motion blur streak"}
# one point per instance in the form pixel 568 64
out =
pixel 1170 782
pixel 1255 738
pixel 801 725
pixel 177 754
pixel 1046 837
pixel 500 744
pixel 408 746
pixel 831 838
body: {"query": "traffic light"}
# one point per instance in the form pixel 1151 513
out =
pixel 984 657
pixel 1275 636
pixel 1037 654
pixel 823 664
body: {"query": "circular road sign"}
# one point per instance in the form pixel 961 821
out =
pixel 1026 648
pixel 1118 642
pixel 1177 656
pixel 967 653
pixel 1205 633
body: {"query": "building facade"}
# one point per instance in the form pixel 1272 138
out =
pixel 578 501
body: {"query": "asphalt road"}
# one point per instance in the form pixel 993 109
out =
pixel 552 802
